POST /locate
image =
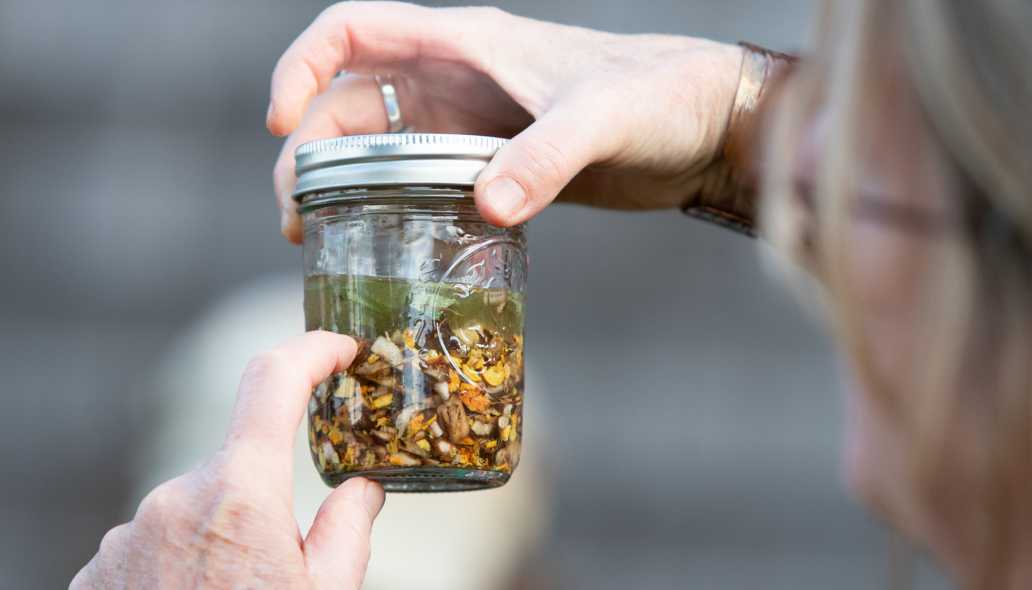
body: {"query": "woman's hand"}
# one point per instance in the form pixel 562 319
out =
pixel 230 523
pixel 650 111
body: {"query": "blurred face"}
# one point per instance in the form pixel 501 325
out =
pixel 900 197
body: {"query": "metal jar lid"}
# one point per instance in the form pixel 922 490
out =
pixel 395 159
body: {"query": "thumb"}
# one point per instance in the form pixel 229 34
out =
pixel 526 174
pixel 337 545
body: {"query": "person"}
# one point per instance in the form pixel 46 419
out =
pixel 894 181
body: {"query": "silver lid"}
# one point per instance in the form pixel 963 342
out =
pixel 394 159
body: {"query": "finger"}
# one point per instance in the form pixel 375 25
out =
pixel 337 546
pixel 362 37
pixel 275 390
pixel 527 173
pixel 353 105
pixel 108 566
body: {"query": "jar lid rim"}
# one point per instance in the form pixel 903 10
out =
pixel 392 159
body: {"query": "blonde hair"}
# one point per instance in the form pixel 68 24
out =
pixel 970 64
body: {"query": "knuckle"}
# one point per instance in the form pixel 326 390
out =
pixel 83 579
pixel 492 22
pixel 482 23
pixel 159 502
pixel 113 539
pixel 544 162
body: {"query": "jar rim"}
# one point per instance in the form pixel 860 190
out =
pixel 392 160
pixel 385 195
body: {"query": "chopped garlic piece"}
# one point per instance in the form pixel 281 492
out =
pixel 441 389
pixel 388 350
pixel 480 428
pixel 436 430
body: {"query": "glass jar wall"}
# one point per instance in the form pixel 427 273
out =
pixel 435 297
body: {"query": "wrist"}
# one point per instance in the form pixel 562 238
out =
pixel 711 70
pixel 760 68
pixel 726 191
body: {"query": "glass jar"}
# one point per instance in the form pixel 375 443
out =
pixel 397 256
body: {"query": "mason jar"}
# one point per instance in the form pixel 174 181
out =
pixel 397 256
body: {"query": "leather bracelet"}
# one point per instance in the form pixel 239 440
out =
pixel 726 193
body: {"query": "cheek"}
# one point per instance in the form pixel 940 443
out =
pixel 886 273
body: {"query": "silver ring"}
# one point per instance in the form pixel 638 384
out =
pixel 390 102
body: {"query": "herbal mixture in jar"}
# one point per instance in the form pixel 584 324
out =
pixel 435 391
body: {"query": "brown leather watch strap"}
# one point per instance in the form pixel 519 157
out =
pixel 726 193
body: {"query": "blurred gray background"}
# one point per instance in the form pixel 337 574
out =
pixel 694 411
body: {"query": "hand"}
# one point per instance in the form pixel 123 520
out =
pixel 649 111
pixel 230 523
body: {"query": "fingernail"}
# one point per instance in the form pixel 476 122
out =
pixel 373 497
pixel 268 115
pixel 506 196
